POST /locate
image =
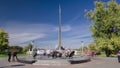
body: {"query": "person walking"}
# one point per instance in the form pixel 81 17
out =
pixel 9 56
pixel 48 52
pixel 34 54
pixel 14 55
pixel 118 56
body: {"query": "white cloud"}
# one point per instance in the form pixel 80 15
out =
pixel 75 18
pixel 64 28
pixel 23 37
pixel 28 27
pixel 45 35
pixel 75 34
pixel 21 33
pixel 75 43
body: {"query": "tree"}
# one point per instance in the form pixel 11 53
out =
pixel 93 46
pixel 28 47
pixel 16 48
pixel 3 40
pixel 106 25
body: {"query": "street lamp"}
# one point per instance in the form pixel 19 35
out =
pixel 33 47
pixel 82 47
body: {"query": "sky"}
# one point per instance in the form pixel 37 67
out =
pixel 37 20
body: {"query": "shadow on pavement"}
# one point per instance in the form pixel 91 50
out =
pixel 27 61
pixel 12 66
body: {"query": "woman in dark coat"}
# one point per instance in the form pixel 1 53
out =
pixel 118 56
pixel 9 56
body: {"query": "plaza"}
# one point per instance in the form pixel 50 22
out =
pixel 96 62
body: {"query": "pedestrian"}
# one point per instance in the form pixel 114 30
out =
pixel 34 54
pixel 9 56
pixel 93 53
pixel 118 56
pixel 48 52
pixel 14 55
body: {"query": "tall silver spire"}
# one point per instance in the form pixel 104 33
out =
pixel 60 32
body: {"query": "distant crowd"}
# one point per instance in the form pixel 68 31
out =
pixel 53 53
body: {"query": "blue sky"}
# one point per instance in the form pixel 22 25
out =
pixel 28 20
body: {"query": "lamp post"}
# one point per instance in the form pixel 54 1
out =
pixel 33 47
pixel 82 47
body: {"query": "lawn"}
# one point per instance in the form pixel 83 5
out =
pixel 103 55
pixel 2 55
pixel 5 55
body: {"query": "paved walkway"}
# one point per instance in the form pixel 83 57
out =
pixel 98 62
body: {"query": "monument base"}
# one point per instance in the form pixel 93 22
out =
pixel 62 61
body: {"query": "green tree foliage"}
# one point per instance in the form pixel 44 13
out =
pixel 3 40
pixel 28 47
pixel 16 48
pixel 93 47
pixel 84 48
pixel 106 25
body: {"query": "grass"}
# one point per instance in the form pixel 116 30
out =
pixel 103 55
pixel 5 55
